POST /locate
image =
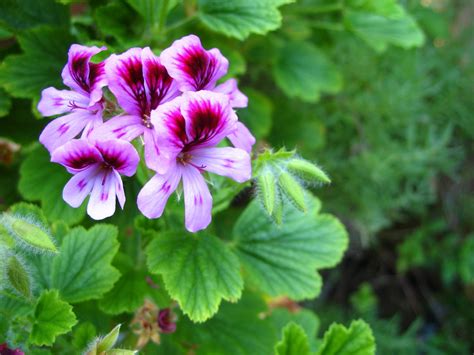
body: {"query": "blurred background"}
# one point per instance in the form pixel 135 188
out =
pixel 378 93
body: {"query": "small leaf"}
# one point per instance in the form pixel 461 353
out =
pixel 307 170
pixel 293 190
pixel 305 318
pixel 27 224
pixel 282 260
pixel 240 18
pixel 294 342
pixel 52 317
pixel 357 340
pixel 302 70
pixel 18 277
pixel 198 271
pixel 267 189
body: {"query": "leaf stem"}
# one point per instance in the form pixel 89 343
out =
pixel 180 23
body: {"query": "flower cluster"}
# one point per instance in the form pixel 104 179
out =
pixel 172 102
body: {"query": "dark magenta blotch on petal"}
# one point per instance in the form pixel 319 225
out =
pixel 199 65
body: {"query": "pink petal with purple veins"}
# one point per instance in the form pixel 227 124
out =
pixel 92 125
pixel 119 155
pixel 230 162
pixel 83 76
pixel 153 152
pixel 65 128
pixel 241 137
pixel 160 87
pixel 125 77
pixel 120 127
pixel 55 102
pixel 193 67
pixel 119 189
pixel 79 186
pixel 197 200
pixel 236 97
pixel 209 118
pixel 77 155
pixel 154 195
pixel 102 201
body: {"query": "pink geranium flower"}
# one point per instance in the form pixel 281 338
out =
pixel 140 83
pixel 195 68
pixel 83 103
pixel 190 127
pixel 96 167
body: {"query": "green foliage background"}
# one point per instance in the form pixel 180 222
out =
pixel 378 93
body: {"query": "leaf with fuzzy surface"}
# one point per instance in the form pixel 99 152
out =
pixel 198 271
pixel 283 260
pixel 52 317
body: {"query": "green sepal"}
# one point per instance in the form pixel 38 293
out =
pixel 17 276
pixel 293 190
pixel 307 171
pixel 267 189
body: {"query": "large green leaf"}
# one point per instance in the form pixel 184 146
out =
pixel 294 341
pixel 45 53
pixel 237 329
pixel 52 317
pixel 198 271
pixel 283 260
pixel 23 14
pixel 240 18
pixel 82 270
pixel 44 181
pixel 302 70
pixel 339 340
pixel 381 23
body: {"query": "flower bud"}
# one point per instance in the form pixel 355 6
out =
pixel 307 170
pixel 17 276
pixel 267 189
pixel 166 321
pixel 293 190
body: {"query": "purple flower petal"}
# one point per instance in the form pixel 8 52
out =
pixel 102 201
pixel 230 162
pixel 83 76
pixel 154 195
pixel 65 128
pixel 120 127
pixel 152 151
pixel 241 137
pixel 236 97
pixel 119 189
pixel 160 87
pixel 192 66
pixel 197 200
pixel 55 102
pixel 119 155
pixel 79 186
pixel 209 118
pixel 76 155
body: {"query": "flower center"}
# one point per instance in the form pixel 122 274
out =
pixel 184 158
pixel 146 121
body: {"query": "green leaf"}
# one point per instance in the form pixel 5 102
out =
pixel 82 271
pixel 381 23
pixel 237 329
pixel 82 335
pixel 301 70
pixel 198 271
pixel 258 115
pixel 44 181
pixel 17 276
pixel 240 18
pixel 150 9
pixel 28 225
pixel 23 14
pixel 52 317
pixel 283 260
pixel 5 103
pixel 294 342
pixel 45 53
pixel 280 317
pixel 357 340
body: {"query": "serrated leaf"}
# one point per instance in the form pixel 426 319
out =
pixel 52 317
pixel 282 260
pixel 301 70
pixel 28 225
pixel 41 180
pixel 45 53
pixel 280 317
pixel 22 14
pixel 198 271
pixel 82 270
pixel 240 18
pixel 339 340
pixel 294 341
pixel 18 277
